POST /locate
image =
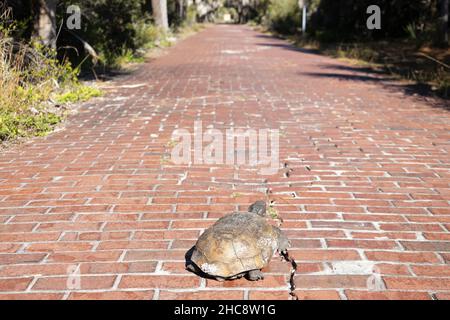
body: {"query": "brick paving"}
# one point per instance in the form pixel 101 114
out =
pixel 367 189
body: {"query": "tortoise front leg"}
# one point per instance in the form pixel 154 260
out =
pixel 283 243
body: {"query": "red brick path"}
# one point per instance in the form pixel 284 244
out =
pixel 370 181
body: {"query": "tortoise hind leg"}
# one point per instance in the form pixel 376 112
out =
pixel 255 275
pixel 190 267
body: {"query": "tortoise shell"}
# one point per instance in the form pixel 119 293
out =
pixel 235 244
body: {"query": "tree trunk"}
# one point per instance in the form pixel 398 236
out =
pixel 160 14
pixel 443 21
pixel 45 25
pixel 181 12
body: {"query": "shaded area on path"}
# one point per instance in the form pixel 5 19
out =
pixel 367 74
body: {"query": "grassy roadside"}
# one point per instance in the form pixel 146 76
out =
pixel 152 41
pixel 37 90
pixel 425 66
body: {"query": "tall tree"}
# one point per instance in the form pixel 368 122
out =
pixel 160 14
pixel 45 23
pixel 443 21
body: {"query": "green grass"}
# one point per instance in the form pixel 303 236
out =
pixel 26 121
pixel 31 78
pixel 80 93
pixel 27 90
pixel 126 58
pixel 272 212
pixel 13 125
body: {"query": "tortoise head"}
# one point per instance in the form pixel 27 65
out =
pixel 259 207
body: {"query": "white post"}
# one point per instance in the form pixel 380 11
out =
pixel 304 18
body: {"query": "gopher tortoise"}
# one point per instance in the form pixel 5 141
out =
pixel 239 244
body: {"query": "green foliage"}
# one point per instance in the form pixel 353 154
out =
pixel 14 125
pixel 108 26
pixel 261 8
pixel 113 28
pixel 354 51
pixel 147 34
pixel 345 20
pixel 30 76
pixel 283 16
pixel 33 77
pixel 410 29
pixel 118 30
pixel 128 57
pixel 79 93
pixel 272 212
pixel 44 65
pixel 191 15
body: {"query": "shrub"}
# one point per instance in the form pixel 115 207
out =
pixel 345 20
pixel 78 94
pixel 147 34
pixel 191 15
pixel 108 26
pixel 283 16
pixel 30 74
pixel 30 78
pixel 26 124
